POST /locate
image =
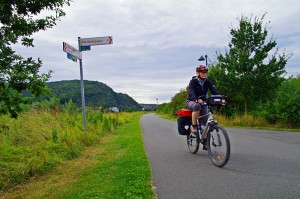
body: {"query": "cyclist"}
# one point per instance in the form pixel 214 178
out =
pixel 197 93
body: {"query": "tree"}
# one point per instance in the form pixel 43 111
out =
pixel 177 102
pixel 19 19
pixel 248 72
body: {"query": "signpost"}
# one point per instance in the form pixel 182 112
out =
pixel 71 50
pixel 84 44
pixel 96 41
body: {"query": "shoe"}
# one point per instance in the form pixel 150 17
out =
pixel 193 129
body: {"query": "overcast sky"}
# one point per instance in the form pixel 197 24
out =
pixel 156 43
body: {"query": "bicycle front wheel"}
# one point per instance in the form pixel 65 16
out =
pixel 218 146
pixel 193 143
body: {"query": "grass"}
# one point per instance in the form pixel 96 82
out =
pixel 41 141
pixel 243 121
pixel 45 154
pixel 36 142
pixel 116 167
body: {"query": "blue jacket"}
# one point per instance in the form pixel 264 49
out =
pixel 198 88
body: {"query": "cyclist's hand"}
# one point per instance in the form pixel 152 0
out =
pixel 200 101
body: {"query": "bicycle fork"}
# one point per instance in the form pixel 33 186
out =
pixel 219 140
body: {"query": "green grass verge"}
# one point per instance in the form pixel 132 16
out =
pixel 117 167
pixel 121 171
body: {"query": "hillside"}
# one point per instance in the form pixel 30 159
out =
pixel 96 94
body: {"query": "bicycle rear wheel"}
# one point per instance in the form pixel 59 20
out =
pixel 193 143
pixel 218 146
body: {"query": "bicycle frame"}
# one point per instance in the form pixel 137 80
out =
pixel 210 121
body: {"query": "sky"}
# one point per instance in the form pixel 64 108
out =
pixel 156 43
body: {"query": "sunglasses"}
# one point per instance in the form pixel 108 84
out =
pixel 203 71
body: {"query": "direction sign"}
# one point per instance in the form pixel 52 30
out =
pixel 72 57
pixel 96 41
pixel 85 48
pixel 71 50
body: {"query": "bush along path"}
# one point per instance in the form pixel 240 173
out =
pixel 116 167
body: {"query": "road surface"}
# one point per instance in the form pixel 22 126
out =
pixel 263 164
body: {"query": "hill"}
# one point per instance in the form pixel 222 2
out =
pixel 96 94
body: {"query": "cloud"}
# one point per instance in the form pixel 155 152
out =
pixel 156 44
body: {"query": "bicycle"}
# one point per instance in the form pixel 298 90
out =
pixel 212 136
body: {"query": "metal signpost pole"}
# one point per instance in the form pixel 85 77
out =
pixel 82 91
pixel 72 53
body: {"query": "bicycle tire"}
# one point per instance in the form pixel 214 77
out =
pixel 193 144
pixel 218 146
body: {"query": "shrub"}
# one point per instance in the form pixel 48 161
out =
pixel 285 107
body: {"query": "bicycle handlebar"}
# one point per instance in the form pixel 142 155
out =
pixel 214 100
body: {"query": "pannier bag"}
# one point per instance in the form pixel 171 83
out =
pixel 214 100
pixel 184 124
pixel 184 121
pixel 184 113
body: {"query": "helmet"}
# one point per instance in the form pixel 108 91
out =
pixel 201 68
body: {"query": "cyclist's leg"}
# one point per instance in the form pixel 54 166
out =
pixel 193 139
pixel 204 111
pixel 195 108
pixel 202 122
pixel 195 115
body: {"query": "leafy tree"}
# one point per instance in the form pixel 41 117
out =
pixel 285 108
pixel 177 102
pixel 19 19
pixel 252 69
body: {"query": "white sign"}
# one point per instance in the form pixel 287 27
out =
pixel 73 51
pixel 96 41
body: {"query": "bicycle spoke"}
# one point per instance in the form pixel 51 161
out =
pixel 219 146
pixel 193 144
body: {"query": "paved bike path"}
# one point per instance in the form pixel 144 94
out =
pixel 253 170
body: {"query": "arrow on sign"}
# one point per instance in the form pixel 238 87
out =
pixel 96 41
pixel 71 50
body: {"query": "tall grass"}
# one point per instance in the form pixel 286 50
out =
pixel 252 121
pixel 40 139
pixel 242 121
pixel 246 120
pixel 116 167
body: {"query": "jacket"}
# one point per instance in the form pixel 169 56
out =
pixel 198 89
